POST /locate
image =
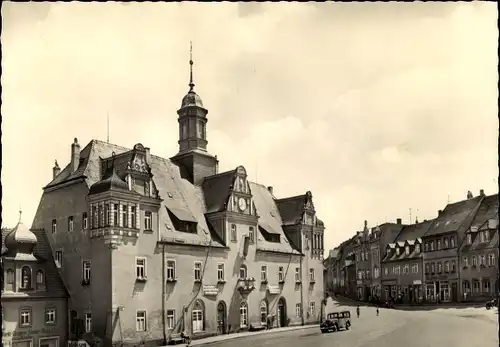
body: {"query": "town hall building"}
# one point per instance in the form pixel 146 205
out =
pixel 150 247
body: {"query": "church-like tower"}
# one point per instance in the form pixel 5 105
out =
pixel 193 159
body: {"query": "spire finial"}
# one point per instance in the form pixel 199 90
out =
pixel 20 214
pixel 191 83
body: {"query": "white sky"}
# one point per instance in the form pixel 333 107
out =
pixel 374 107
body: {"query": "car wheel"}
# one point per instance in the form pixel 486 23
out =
pixel 347 325
pixel 323 331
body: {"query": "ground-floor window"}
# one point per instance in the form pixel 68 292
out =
pixel 197 317
pixel 263 312
pixel 429 292
pixel 476 286
pixel 486 286
pixel 88 322
pixel 445 291
pixel 243 315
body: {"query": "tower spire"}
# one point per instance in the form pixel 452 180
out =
pixel 191 83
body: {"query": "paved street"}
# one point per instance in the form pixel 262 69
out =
pixel 467 327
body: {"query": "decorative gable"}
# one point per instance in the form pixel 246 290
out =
pixel 241 200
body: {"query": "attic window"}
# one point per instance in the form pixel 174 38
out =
pixel 397 251
pixel 274 238
pixel 182 220
pixel 170 195
pixel 271 213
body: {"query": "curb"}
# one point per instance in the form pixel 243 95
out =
pixel 241 336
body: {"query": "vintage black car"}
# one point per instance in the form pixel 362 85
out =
pixel 335 321
pixel 492 303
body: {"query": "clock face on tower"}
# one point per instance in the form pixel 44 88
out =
pixel 242 204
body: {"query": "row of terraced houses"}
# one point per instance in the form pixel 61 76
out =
pixel 451 258
pixel 127 247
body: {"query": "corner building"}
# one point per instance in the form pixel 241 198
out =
pixel 151 247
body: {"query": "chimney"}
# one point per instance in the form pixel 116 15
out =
pixel 481 192
pixel 469 195
pixel 270 189
pixel 439 212
pixel 398 221
pixel 148 155
pixel 75 155
pixel 216 165
pixel 55 170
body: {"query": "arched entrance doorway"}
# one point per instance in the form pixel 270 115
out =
pixel 221 317
pixel 282 318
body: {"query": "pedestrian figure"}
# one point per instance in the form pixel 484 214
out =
pixel 377 310
pixel 357 311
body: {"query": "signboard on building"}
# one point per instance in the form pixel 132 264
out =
pixel 210 290
pixel 417 282
pixel 273 290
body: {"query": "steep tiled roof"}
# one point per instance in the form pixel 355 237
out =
pixel 66 174
pixel 269 220
pixel 53 279
pixel 217 189
pixel 486 211
pixel 291 209
pixel 413 231
pixel 454 216
pixel 177 193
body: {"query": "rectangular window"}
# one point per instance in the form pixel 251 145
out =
pixel 432 246
pixel 233 233
pixel 140 268
pixel 452 241
pixel 102 214
pixel 474 260
pixel 220 273
pixel 25 317
pixel 115 214
pixel 312 309
pixel 147 220
pixel 469 239
pixel 54 226
pixel 170 319
pixel 486 286
pixel 85 220
pixel 297 274
pixel 311 275
pixel 417 248
pixel 197 271
pixel 251 234
pixel 263 273
pixel 171 270
pixel 59 258
pixel 407 250
pixel 125 216
pixel 94 217
pixel 465 260
pixel 71 224
pixel 453 266
pixel 88 322
pixel 86 270
pixel 298 310
pixel 281 274
pixel 50 315
pixel 132 217
pixel 140 321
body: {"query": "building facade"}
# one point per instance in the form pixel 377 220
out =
pixel 479 254
pixel 151 247
pixel 363 264
pixel 34 298
pixel 403 265
pixel 441 249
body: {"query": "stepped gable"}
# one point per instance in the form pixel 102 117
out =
pixel 269 221
pixel 455 217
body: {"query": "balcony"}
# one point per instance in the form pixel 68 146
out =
pixel 246 285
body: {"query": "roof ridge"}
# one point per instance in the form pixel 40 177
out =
pixel 292 197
